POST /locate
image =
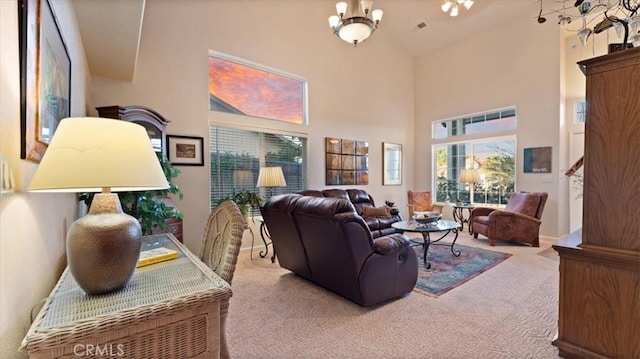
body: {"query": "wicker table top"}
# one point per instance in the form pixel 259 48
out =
pixel 152 290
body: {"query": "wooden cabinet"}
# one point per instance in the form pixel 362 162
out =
pixel 599 303
pixel 155 124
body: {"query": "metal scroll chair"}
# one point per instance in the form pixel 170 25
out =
pixel 220 248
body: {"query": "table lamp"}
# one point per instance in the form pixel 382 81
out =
pixel 100 155
pixel 270 177
pixel 470 176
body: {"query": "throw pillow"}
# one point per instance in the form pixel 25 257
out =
pixel 375 212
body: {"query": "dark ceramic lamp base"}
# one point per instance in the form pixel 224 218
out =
pixel 103 247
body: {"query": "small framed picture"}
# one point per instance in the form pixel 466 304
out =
pixel 185 150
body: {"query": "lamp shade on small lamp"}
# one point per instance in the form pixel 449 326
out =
pixel 101 155
pixel 271 177
pixel 469 175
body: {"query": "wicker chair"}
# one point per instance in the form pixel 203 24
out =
pixel 222 241
pixel 421 202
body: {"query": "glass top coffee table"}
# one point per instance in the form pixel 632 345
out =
pixel 426 229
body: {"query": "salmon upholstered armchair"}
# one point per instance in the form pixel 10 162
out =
pixel 421 202
pixel 519 221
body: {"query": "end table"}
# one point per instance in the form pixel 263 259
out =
pixel 458 214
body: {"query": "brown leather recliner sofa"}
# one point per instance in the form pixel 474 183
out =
pixel 379 224
pixel 324 240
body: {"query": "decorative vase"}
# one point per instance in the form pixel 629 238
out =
pixel 103 247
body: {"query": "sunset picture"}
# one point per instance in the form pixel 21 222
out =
pixel 242 89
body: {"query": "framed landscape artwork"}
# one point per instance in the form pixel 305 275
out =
pixel 537 160
pixel 347 162
pixel 242 87
pixel 45 77
pixel 185 150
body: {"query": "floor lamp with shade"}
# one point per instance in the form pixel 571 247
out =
pixel 469 176
pixel 101 155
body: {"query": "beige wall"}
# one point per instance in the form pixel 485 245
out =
pixel 515 63
pixel 367 93
pixel 32 226
pixel 363 93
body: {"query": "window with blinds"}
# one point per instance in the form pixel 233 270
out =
pixel 237 156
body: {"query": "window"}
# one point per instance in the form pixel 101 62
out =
pixel 580 111
pixel 493 157
pixel 237 155
pixel 495 161
pixel 499 120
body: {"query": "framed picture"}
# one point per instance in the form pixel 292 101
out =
pixel 346 162
pixel 391 164
pixel 242 87
pixel 45 77
pixel 185 150
pixel 537 160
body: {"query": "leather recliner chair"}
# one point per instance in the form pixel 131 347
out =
pixel 338 249
pixel 519 221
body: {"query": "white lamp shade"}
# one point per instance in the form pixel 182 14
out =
pixel 454 11
pixel 376 15
pixel 91 154
pixel 334 20
pixel 341 8
pixel 469 175
pixel 271 177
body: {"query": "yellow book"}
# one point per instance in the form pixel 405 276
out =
pixel 156 255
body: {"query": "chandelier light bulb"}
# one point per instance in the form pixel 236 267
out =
pixel 341 8
pixel 584 35
pixel 453 6
pixel 376 15
pixel 454 10
pixel 366 6
pixel 334 20
pixel 619 28
pixel 634 24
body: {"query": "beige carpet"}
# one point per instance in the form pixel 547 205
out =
pixel 510 311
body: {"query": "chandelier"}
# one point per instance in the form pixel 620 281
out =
pixel 622 15
pixel 357 27
pixel 453 6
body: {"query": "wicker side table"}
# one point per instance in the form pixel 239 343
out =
pixel 168 310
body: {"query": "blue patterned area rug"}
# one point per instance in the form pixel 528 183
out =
pixel 448 271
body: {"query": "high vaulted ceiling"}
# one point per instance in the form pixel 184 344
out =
pixel 111 29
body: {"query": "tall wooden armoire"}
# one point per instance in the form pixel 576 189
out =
pixel 599 313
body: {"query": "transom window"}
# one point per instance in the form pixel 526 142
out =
pixel 499 120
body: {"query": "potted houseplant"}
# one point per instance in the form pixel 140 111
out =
pixel 149 207
pixel 245 200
